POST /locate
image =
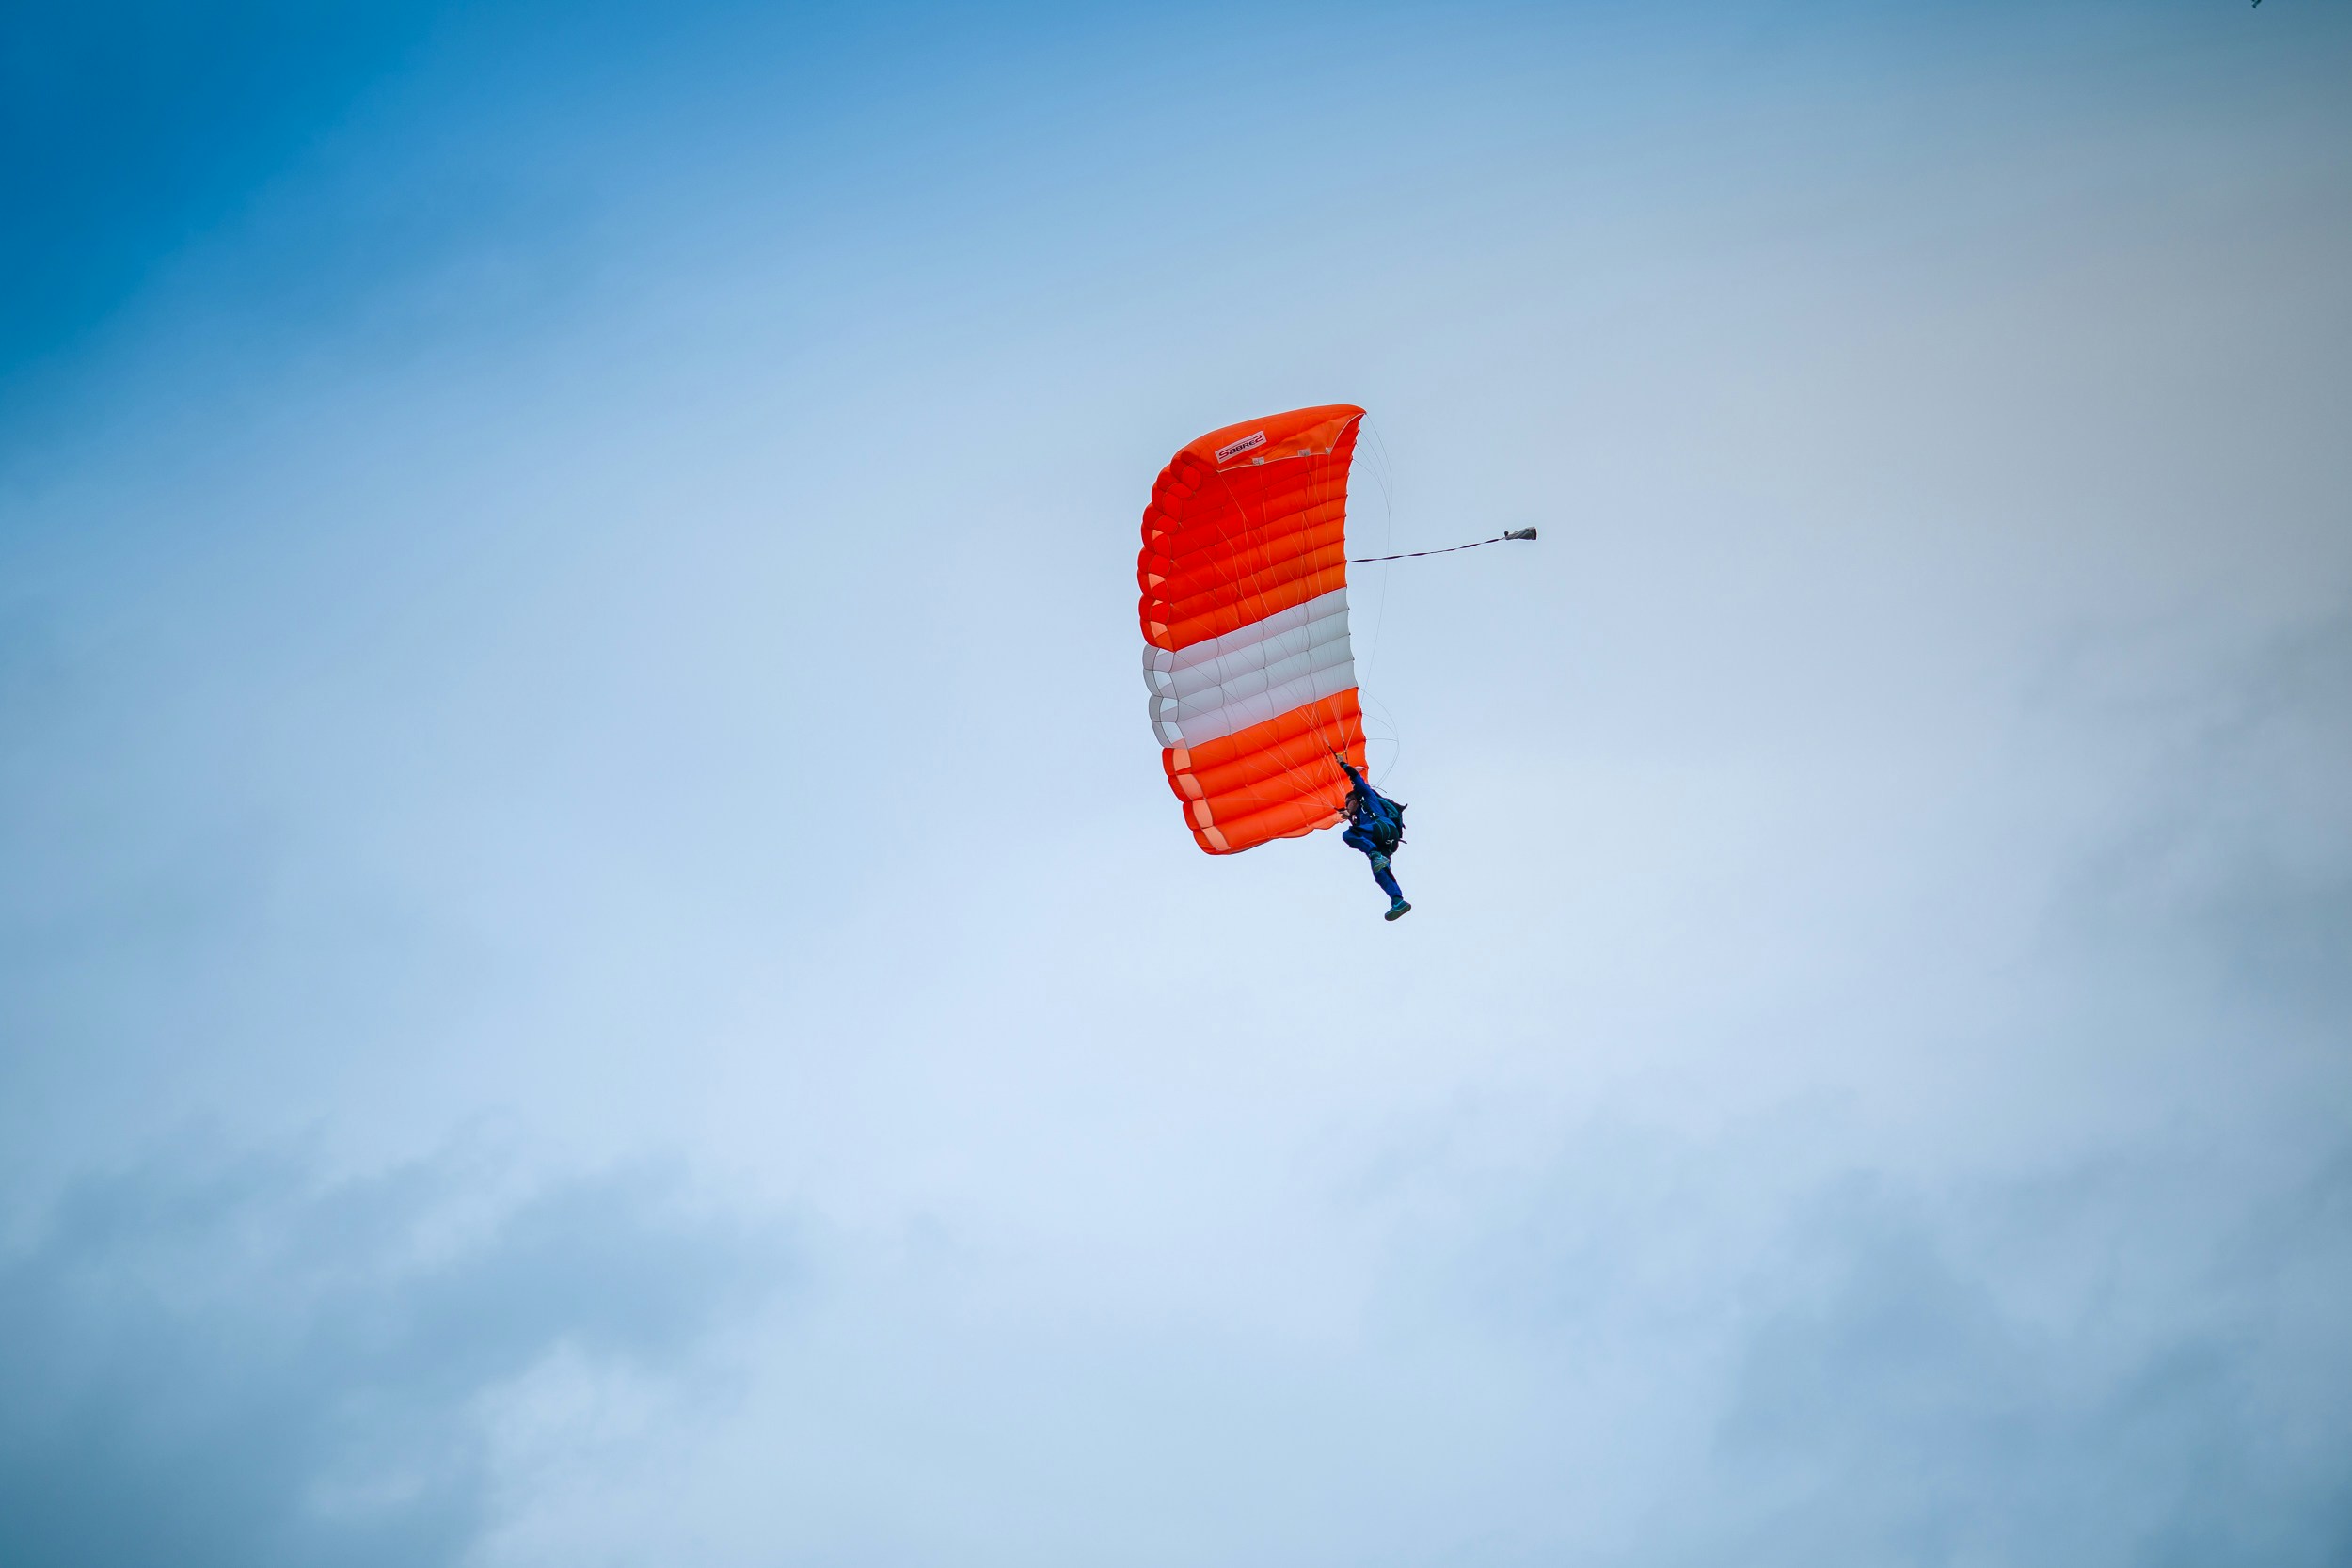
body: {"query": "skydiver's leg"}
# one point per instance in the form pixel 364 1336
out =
pixel 1355 838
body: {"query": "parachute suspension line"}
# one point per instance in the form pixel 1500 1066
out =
pixel 1384 473
pixel 1415 554
pixel 1310 773
pixel 1381 473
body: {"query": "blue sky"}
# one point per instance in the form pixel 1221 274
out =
pixel 595 967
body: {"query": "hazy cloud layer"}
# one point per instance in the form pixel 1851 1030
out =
pixel 1990 1383
pixel 226 1361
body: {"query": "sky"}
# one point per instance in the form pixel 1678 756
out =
pixel 596 967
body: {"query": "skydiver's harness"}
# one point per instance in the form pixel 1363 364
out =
pixel 1384 830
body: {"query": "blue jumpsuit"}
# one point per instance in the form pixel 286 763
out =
pixel 1375 825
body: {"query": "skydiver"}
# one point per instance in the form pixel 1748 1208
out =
pixel 1375 825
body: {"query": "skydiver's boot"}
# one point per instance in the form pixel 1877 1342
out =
pixel 1396 909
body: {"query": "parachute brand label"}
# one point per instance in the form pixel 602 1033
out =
pixel 1252 679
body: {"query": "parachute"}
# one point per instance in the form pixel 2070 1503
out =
pixel 1243 573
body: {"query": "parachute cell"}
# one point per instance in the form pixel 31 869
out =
pixel 1244 572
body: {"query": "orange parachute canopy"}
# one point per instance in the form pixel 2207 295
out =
pixel 1244 572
